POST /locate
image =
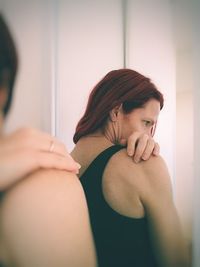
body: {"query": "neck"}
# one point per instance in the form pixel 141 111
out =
pixel 110 133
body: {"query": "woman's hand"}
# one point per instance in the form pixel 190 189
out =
pixel 29 149
pixel 141 146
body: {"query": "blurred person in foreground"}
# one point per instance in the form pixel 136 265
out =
pixel 43 212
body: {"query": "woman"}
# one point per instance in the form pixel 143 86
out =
pixel 133 217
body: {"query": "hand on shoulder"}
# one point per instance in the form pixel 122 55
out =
pixel 141 146
pixel 27 150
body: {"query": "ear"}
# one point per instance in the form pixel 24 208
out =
pixel 114 113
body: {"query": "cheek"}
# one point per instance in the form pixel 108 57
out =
pixel 129 128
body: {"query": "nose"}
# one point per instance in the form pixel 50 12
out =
pixel 152 130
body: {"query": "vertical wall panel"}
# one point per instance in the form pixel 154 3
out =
pixel 182 19
pixel 150 50
pixel 196 67
pixel 29 23
pixel 89 45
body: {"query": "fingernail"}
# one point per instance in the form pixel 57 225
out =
pixel 78 165
pixel 130 153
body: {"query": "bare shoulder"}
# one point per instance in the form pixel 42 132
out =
pixel 46 212
pixel 43 195
pixel 156 179
pixel 43 190
pixel 42 185
pixel 146 177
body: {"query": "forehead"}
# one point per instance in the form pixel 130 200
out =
pixel 152 105
pixel 150 109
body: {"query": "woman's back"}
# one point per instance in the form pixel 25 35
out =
pixel 120 240
pixel 129 228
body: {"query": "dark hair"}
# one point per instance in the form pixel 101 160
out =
pixel 123 86
pixel 8 62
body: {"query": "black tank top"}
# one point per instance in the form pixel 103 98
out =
pixel 120 241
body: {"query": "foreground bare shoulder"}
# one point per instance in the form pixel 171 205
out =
pixel 44 222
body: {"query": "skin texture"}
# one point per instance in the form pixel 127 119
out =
pixel 44 222
pixel 138 190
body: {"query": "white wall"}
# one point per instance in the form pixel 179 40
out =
pixel 185 161
pixel 29 23
pixel 89 45
pixel 182 18
pixel 196 67
pixel 151 51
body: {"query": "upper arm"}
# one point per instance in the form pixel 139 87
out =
pixel 150 183
pixel 164 225
pixel 44 222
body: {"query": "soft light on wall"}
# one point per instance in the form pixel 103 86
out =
pixel 89 45
pixel 150 50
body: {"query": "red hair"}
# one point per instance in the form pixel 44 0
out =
pixel 123 86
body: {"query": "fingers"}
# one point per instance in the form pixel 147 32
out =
pixel 30 138
pixel 156 150
pixel 50 160
pixel 132 143
pixel 48 150
pixel 148 150
pixel 141 147
pixel 53 145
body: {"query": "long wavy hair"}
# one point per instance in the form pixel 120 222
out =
pixel 123 86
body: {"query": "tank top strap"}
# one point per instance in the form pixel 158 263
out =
pixel 91 179
pixel 102 159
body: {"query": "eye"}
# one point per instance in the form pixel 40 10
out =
pixel 147 123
